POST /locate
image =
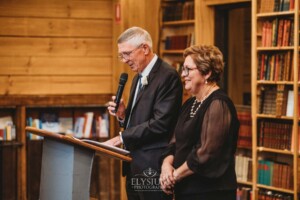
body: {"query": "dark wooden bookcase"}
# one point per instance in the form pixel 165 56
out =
pixel 22 161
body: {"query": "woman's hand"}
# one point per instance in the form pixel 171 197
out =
pixel 167 180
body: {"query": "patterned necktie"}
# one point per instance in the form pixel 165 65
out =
pixel 138 88
pixel 140 83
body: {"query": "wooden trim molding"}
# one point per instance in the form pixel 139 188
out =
pixel 57 100
pixel 221 2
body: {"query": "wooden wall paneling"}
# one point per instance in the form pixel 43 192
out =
pixel 205 25
pixel 57 9
pixel 57 100
pixel 152 21
pixel 56 39
pixel 32 65
pixel 118 26
pixel 40 85
pixel 53 27
pixel 239 70
pixel 12 46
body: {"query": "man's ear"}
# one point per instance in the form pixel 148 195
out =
pixel 146 49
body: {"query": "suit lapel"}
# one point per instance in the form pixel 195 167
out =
pixel 131 97
pixel 150 78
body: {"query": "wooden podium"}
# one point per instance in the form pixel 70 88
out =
pixel 67 165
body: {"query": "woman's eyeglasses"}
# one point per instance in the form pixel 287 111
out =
pixel 186 70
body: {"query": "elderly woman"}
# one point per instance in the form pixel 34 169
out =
pixel 199 161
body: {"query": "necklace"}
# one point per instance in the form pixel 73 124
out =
pixel 193 110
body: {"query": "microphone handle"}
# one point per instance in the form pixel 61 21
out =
pixel 118 97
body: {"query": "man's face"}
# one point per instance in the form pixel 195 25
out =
pixel 132 55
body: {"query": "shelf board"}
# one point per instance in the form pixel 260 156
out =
pixel 242 147
pixel 273 116
pixel 275 14
pixel 275 48
pixel 50 100
pixel 276 189
pixel 179 22
pixel 5 143
pixel 245 183
pixel 275 82
pixel 264 149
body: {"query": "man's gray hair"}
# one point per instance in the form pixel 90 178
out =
pixel 135 36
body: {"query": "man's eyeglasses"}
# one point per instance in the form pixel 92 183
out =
pixel 126 55
pixel 186 70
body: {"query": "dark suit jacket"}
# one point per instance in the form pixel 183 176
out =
pixel 153 117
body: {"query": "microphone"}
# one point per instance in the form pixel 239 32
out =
pixel 122 82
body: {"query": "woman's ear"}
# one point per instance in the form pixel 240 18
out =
pixel 207 75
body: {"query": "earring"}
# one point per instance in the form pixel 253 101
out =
pixel 206 82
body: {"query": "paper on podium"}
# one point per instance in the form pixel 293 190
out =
pixel 105 146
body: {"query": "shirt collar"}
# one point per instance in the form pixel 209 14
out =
pixel 149 67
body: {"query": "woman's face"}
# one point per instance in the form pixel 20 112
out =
pixel 193 79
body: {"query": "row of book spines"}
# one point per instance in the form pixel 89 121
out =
pixel 278 102
pixel 245 131
pixel 275 174
pixel 87 126
pixel 243 168
pixel 179 11
pixel 36 123
pixel 8 133
pixel 273 195
pixel 275 67
pixel 179 42
pixel 275 5
pixel 278 32
pixel 275 135
pixel 90 126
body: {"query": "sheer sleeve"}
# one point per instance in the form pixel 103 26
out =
pixel 170 150
pixel 211 156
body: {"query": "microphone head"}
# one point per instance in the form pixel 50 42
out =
pixel 123 78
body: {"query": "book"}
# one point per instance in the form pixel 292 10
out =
pixel 87 126
pixel 290 104
pixel 65 124
pixel 4 121
pixel 103 126
pixel 49 122
pixel 78 127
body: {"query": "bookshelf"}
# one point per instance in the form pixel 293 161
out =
pixel 177 25
pixel 24 153
pixel 243 156
pixel 9 147
pixel 177 30
pixel 275 88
